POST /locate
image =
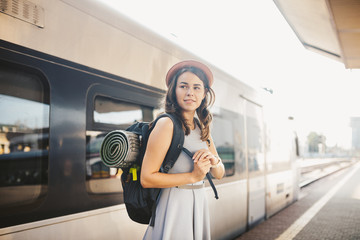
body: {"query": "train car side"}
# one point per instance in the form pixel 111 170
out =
pixel 89 70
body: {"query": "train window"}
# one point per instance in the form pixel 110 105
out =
pixel 109 114
pixel 24 131
pixel 111 111
pixel 255 138
pixel 228 132
pixel 280 149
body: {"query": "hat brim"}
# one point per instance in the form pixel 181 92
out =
pixel 189 63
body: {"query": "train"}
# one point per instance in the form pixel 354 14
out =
pixel 73 70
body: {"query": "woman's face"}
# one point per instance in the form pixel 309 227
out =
pixel 190 91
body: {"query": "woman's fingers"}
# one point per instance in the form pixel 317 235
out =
pixel 203 154
pixel 204 165
pixel 198 154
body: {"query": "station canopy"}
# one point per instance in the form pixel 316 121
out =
pixel 328 27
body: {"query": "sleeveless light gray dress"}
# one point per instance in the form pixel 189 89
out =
pixel 182 213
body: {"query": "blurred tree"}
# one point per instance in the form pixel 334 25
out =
pixel 315 140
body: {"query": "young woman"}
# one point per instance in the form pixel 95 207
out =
pixel 182 210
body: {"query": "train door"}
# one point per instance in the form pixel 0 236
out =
pixel 228 214
pixel 256 163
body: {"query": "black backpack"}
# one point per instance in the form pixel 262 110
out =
pixel 141 202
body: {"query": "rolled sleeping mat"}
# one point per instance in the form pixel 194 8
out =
pixel 119 149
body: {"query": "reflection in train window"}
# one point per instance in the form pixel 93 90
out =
pixel 112 111
pixel 255 139
pixel 228 134
pixel 109 114
pixel 24 138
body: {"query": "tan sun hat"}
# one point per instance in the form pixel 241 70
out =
pixel 189 63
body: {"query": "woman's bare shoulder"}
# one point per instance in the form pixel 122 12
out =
pixel 164 124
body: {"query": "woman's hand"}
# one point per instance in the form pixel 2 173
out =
pixel 205 154
pixel 203 160
pixel 201 168
pixel 216 166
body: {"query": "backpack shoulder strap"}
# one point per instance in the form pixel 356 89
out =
pixel 176 143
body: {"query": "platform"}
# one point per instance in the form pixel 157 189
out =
pixel 327 209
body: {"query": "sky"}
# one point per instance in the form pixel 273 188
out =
pixel 252 41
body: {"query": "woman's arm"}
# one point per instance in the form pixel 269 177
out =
pixel 158 145
pixel 218 169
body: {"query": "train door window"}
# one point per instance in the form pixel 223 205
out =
pixel 225 132
pixel 279 145
pixel 255 138
pixel 240 148
pixel 108 114
pixel 24 138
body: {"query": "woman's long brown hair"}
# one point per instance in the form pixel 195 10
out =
pixel 203 113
